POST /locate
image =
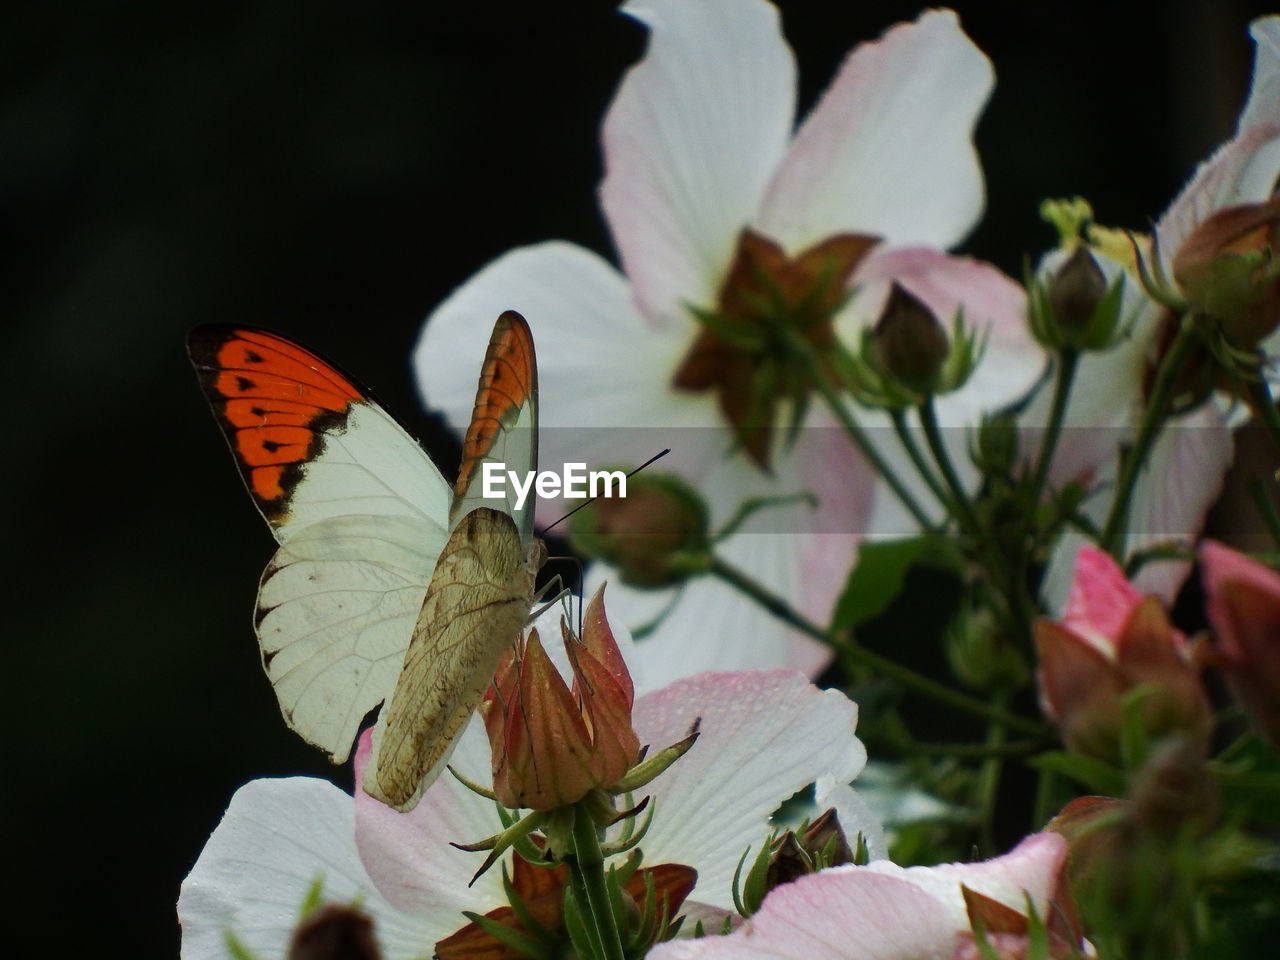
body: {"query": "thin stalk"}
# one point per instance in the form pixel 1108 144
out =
pixel 960 499
pixel 909 444
pixel 1152 420
pixel 1068 363
pixel 804 353
pixel 1046 788
pixel 590 890
pixel 867 658
pixel 989 777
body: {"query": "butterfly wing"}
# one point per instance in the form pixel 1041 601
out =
pixel 476 605
pixel 359 511
pixel 504 423
pixel 482 588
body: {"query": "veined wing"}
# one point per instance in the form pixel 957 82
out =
pixel 360 513
pixel 504 423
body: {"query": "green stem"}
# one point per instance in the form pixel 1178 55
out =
pixel 913 451
pixel 1068 363
pixel 1046 788
pixel 1152 420
pixel 804 353
pixel 997 563
pixel 989 777
pixel 590 890
pixel 867 658
pixel 960 499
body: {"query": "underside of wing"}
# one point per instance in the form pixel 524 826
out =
pixel 360 513
pixel 504 423
pixel 475 607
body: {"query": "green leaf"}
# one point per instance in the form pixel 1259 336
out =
pixel 882 570
pixel 1097 776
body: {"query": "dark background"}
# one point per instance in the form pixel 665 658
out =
pixel 332 170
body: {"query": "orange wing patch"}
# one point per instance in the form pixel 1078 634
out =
pixel 274 401
pixel 506 382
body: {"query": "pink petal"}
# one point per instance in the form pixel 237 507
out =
pixel 1032 868
pixel 1101 598
pixel 889 148
pixel 765 734
pixel 839 914
pixel 277 838
pixel 1220 566
pixel 409 856
pixel 882 911
pixel 693 135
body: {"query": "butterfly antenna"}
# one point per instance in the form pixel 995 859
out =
pixel 656 456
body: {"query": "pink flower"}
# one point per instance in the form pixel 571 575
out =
pixel 1244 612
pixel 706 191
pixel 764 735
pixel 885 912
pixel 1110 640
pixel 1183 475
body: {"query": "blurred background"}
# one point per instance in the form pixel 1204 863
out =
pixel 332 170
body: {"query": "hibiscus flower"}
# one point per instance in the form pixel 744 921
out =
pixel 714 204
pixel 764 735
pixel 1183 474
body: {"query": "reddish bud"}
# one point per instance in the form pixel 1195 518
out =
pixel 552 745
pixel 1244 614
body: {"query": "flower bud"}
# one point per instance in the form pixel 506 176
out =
pixel 997 447
pixel 981 655
pixel 1174 787
pixel 552 745
pixel 1076 291
pixel 1229 269
pixel 910 343
pixel 1244 615
pixel 1075 309
pixel 1113 641
pixel 656 535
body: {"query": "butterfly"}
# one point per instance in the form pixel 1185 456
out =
pixel 390 584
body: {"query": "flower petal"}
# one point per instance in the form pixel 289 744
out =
pixel 591 342
pixel 839 914
pixel 765 734
pixel 889 148
pixel 1263 107
pixel 1032 868
pixel 1182 479
pixel 409 854
pixel 1245 169
pixel 1101 599
pixel 277 838
pixel 693 135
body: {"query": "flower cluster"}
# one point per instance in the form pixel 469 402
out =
pixel 888 462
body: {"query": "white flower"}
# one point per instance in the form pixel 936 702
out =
pixel 764 735
pixel 698 146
